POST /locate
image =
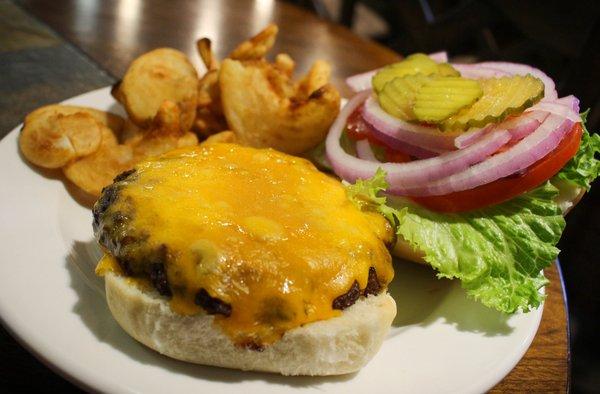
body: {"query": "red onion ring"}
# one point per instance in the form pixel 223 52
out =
pixel 474 71
pixel 522 125
pixel 428 138
pixel 469 137
pixel 408 174
pixel 360 82
pixel 517 158
pixel 563 106
pixel 523 69
pixel 364 151
pixel 439 57
pixel 411 150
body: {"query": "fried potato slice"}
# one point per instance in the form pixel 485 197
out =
pixel 209 113
pixel 285 64
pixel 226 136
pixel 317 76
pixel 258 46
pixel 208 57
pixel 51 139
pixel 265 109
pixel 163 135
pixel 156 76
pixel 114 122
pixel 93 172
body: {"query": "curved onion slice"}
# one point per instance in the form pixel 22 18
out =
pixel 467 138
pixel 409 174
pixel 360 82
pixel 364 151
pixel 411 150
pixel 475 71
pixel 439 57
pixel 567 107
pixel 523 69
pixel 426 137
pixel 522 155
pixel 523 125
pixel 395 144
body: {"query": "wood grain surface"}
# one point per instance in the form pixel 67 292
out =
pixel 112 33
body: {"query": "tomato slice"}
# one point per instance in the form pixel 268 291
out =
pixel 506 188
pixel 395 156
pixel 357 128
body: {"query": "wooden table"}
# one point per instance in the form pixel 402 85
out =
pixel 112 33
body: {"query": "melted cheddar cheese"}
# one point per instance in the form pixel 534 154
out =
pixel 260 230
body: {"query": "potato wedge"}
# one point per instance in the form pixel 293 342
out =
pixel 163 135
pixel 93 172
pixel 209 113
pixel 258 46
pixel 156 76
pixel 51 139
pixel 265 109
pixel 226 136
pixel 208 57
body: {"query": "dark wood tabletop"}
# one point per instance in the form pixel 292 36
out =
pixel 110 34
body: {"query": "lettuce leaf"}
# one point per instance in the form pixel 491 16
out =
pixel 365 195
pixel 584 167
pixel 497 252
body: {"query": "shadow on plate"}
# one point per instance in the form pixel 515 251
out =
pixel 91 307
pixel 422 299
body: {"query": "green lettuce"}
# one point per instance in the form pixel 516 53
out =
pixel 498 252
pixel 584 167
pixel 365 194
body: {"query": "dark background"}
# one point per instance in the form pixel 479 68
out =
pixel 561 38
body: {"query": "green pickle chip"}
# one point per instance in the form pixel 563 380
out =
pixel 501 98
pixel 439 98
pixel 417 63
pixel 398 96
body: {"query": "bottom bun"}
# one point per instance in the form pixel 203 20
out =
pixel 340 345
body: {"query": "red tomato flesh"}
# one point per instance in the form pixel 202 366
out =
pixel 506 188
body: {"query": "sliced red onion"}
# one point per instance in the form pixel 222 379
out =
pixel 517 158
pixel 469 137
pixel 429 138
pixel 364 151
pixel 523 69
pixel 411 150
pixel 562 107
pixel 360 82
pixel 439 57
pixel 523 125
pixel 362 127
pixel 475 71
pixel 408 174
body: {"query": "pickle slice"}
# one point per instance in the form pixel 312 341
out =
pixel 397 96
pixel 417 63
pixel 439 98
pixel 446 70
pixel 501 97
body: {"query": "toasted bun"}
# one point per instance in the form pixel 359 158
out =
pixel 569 196
pixel 336 346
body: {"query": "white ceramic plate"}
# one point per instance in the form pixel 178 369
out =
pixel 441 342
